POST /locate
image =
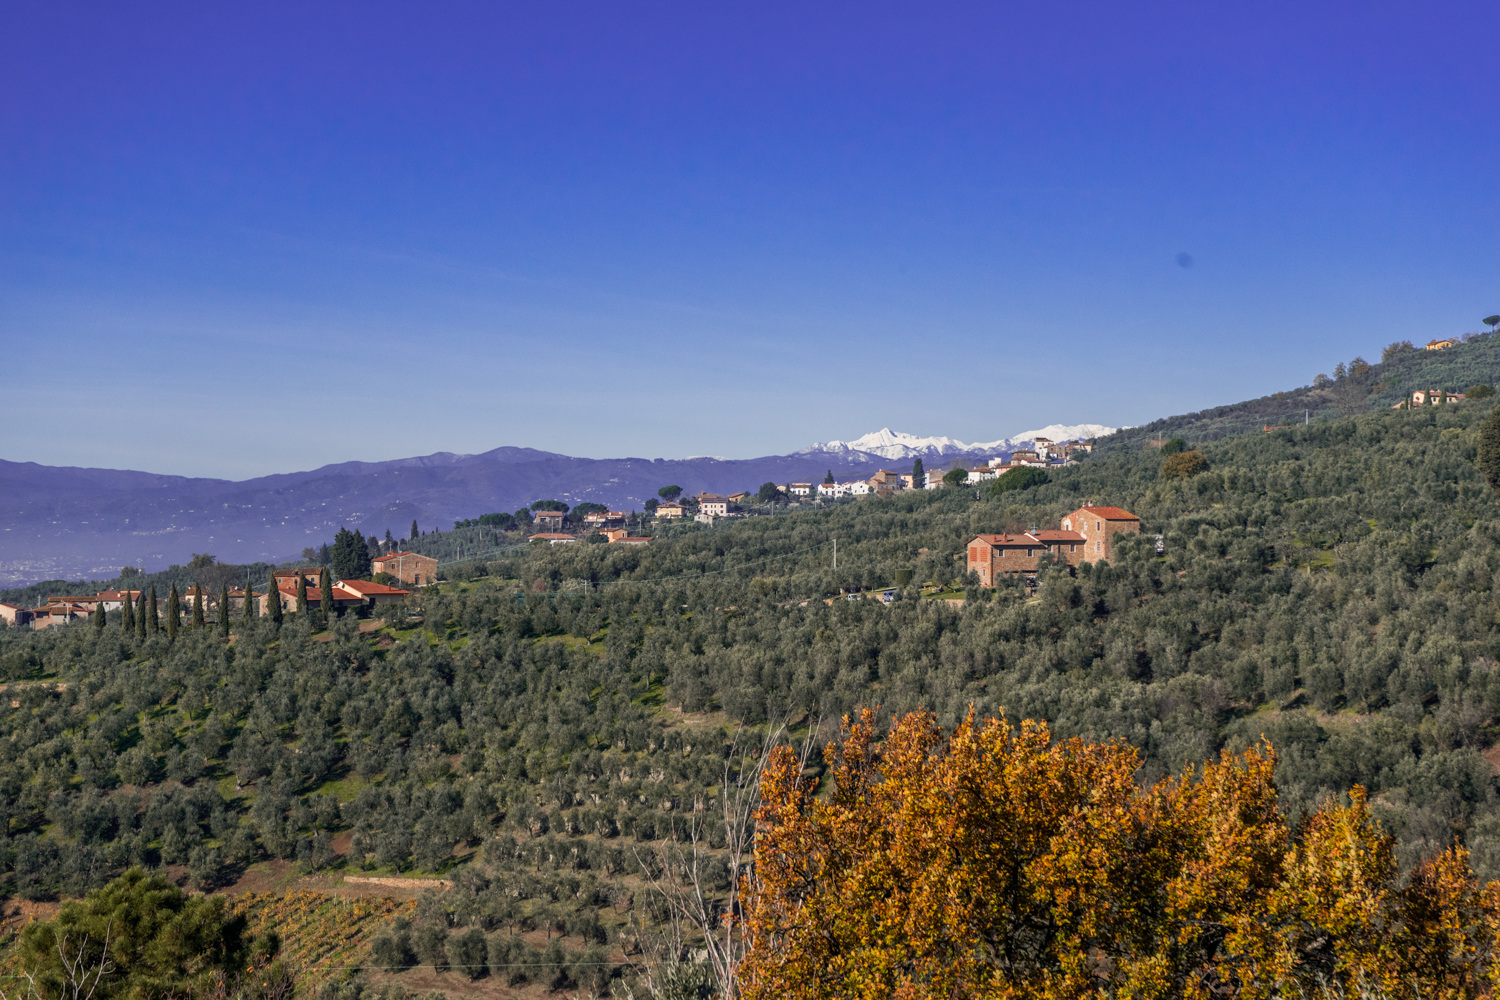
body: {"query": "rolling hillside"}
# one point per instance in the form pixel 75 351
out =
pixel 544 736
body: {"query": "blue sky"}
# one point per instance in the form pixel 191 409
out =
pixel 238 240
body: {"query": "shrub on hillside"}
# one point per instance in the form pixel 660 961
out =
pixel 142 936
pixel 1183 464
pixel 1023 478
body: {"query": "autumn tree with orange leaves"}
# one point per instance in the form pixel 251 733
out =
pixel 995 862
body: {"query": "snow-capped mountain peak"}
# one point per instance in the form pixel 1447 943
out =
pixel 897 444
pixel 892 444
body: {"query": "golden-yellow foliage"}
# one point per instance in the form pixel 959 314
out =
pixel 994 862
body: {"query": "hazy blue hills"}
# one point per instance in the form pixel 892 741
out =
pixel 75 523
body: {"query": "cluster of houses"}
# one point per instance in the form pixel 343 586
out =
pixel 1045 454
pixel 1087 535
pixel 709 507
pixel 609 523
pixel 346 595
pixel 1429 397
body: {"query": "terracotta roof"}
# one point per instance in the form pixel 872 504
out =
pixel 1031 538
pixel 394 555
pixel 1111 513
pixel 13 607
pixel 554 535
pixel 1008 540
pixel 1058 536
pixel 364 588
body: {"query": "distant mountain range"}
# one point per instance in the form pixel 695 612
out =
pixel 70 523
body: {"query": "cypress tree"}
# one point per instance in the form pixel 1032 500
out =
pixel 198 608
pixel 224 610
pixel 127 614
pixel 249 611
pixel 1489 449
pixel 273 601
pixel 301 595
pixel 98 617
pixel 414 531
pixel 140 616
pixel 362 556
pixel 174 612
pixel 918 480
pixel 153 620
pixel 325 595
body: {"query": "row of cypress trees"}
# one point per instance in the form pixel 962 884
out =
pixel 143 618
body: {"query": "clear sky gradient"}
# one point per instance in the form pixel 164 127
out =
pixel 241 239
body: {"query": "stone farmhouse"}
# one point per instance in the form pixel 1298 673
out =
pixel 408 567
pixel 548 520
pixel 1087 535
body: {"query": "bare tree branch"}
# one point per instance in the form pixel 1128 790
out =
pixel 683 873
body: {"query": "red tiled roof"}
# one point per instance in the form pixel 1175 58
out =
pixel 1031 538
pixel 1111 513
pixel 554 535
pixel 1004 540
pixel 394 555
pixel 364 588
